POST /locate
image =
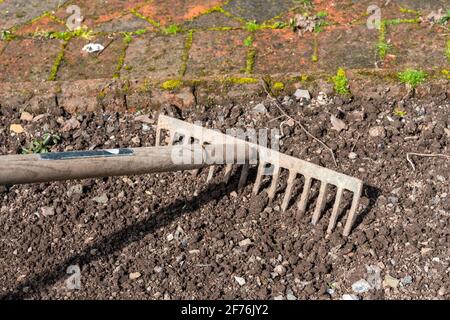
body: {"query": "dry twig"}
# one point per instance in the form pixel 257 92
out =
pixel 423 155
pixel 280 108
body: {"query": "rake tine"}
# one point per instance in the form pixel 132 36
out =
pixel 305 195
pixel 320 202
pixel 353 208
pixel 212 169
pixel 273 186
pixel 259 177
pixel 334 214
pixel 244 175
pixel 290 187
pixel 158 137
pixel 228 170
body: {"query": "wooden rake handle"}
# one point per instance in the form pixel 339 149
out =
pixel 37 168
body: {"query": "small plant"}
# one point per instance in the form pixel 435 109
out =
pixel 7 35
pixel 248 41
pixel 383 49
pixel 341 84
pixel 399 113
pixel 171 84
pixel 252 26
pixel 43 144
pixel 322 14
pixel 172 29
pixel 412 77
pixel 127 38
pixel 445 18
pixel 278 86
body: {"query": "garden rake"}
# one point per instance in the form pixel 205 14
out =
pixel 197 148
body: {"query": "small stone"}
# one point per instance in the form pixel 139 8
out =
pixel 239 280
pixel 134 275
pixel 377 132
pixel 280 269
pixel 425 251
pixel 356 116
pixel 260 108
pixel 337 124
pixel 447 132
pixel 158 269
pixel 390 282
pixel 136 140
pixel 145 128
pixel 245 242
pixel 349 297
pixel 302 94
pixel 71 124
pixel 291 297
pixel 233 194
pixel 406 280
pixel 322 99
pixel 280 297
pixel 144 119
pixel 26 116
pixel 374 276
pixel 77 189
pixel 47 211
pixel 16 128
pixel 352 156
pixel 361 286
pixel 102 199
pixel 442 291
pixel 170 237
pixel 39 117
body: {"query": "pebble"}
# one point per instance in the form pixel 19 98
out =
pixel 352 156
pixel 76 189
pixel 170 237
pixel 239 280
pixel 158 269
pixel 377 132
pixel 260 108
pixel 145 128
pixel 134 275
pixel 136 140
pixel 349 297
pixel 291 297
pixel 280 297
pixel 406 280
pixel 245 242
pixel 280 269
pixel 322 99
pixel 47 211
pixel 361 286
pixel 16 128
pixel 102 199
pixel 302 94
pixel 26 116
pixel 390 282
pixel 442 291
pixel 233 194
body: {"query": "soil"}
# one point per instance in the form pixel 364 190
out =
pixel 172 236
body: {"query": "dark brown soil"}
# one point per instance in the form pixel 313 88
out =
pixel 403 227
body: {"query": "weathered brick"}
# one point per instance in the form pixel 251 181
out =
pixel 96 13
pixel 154 56
pixel 28 60
pixel 78 65
pixel 422 48
pixel 177 11
pixel 260 11
pixel 125 23
pixel 217 52
pixel 17 12
pixel 44 24
pixel 352 48
pixel 282 51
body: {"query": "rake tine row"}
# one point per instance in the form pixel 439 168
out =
pixel 295 166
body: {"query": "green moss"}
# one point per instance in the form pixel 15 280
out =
pixel 278 86
pixel 404 10
pixel 7 35
pixel 221 28
pixel 322 14
pixel 57 63
pixel 187 48
pixel 446 73
pixel 315 56
pixel 249 40
pixel 252 26
pixel 340 81
pixel 172 84
pixel 127 38
pixel 151 21
pixel 382 46
pixel 235 80
pixel 394 22
pixel 250 62
pixel 412 77
pixel 399 113
pixel 172 29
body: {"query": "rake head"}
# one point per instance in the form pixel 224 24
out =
pixel 190 133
